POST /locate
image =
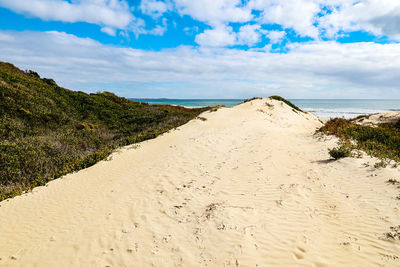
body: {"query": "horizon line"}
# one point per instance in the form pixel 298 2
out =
pixel 164 98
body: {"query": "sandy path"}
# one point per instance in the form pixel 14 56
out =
pixel 250 186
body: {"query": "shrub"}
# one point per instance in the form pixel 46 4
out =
pixel 339 152
pixel 380 164
pixel 49 81
pixel 251 99
pixel 397 125
pixel 290 104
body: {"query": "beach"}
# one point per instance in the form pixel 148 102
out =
pixel 322 108
pixel 249 185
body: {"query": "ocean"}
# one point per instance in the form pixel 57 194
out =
pixel 323 108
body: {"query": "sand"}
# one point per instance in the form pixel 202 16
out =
pixel 375 119
pixel 249 186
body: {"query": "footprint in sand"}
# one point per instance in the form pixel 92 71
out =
pixel 299 253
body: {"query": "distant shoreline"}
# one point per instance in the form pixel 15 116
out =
pixel 322 108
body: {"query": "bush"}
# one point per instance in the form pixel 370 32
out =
pixel 49 81
pixel 251 99
pixel 339 152
pixel 287 102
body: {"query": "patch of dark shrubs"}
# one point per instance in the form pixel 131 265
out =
pixel 47 131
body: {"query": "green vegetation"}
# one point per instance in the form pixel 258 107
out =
pixel 251 99
pixel 340 152
pixel 382 141
pixel 279 98
pixel 47 131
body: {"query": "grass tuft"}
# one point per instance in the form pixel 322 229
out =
pixel 340 152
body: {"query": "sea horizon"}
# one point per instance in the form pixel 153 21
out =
pixel 323 108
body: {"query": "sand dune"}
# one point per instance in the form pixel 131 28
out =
pixel 374 119
pixel 249 186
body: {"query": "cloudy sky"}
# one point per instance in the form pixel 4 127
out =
pixel 209 48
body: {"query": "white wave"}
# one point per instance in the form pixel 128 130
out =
pixel 346 113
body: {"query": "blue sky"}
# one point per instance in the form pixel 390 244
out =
pixel 209 48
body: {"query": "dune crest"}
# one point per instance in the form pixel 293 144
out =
pixel 244 186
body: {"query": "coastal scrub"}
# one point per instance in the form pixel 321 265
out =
pixel 47 131
pixel 381 141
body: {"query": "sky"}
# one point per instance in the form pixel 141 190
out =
pixel 209 48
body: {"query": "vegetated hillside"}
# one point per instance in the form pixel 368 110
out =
pixel 47 131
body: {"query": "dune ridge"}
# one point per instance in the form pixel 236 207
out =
pixel 250 185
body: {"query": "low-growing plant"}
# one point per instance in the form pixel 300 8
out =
pixel 393 181
pixel 201 118
pixel 269 105
pixel 290 104
pixel 215 108
pixel 251 99
pixel 339 152
pixel 394 233
pixel 380 164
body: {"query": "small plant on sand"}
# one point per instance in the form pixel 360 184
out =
pixel 201 118
pixel 215 108
pixel 380 164
pixel 251 99
pixel 394 233
pixel 339 152
pixel 269 105
pixel 392 181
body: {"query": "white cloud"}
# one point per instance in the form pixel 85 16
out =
pixel 139 27
pixel 308 18
pixel 222 36
pixel 249 34
pixel 191 30
pixel 109 31
pixel 6 37
pixel 217 37
pixel 318 69
pixel 299 15
pixel 112 14
pixel 214 12
pixel 379 17
pixel 276 36
pixel 154 8
pixel 158 30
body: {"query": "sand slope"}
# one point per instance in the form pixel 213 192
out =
pixel 374 119
pixel 249 186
